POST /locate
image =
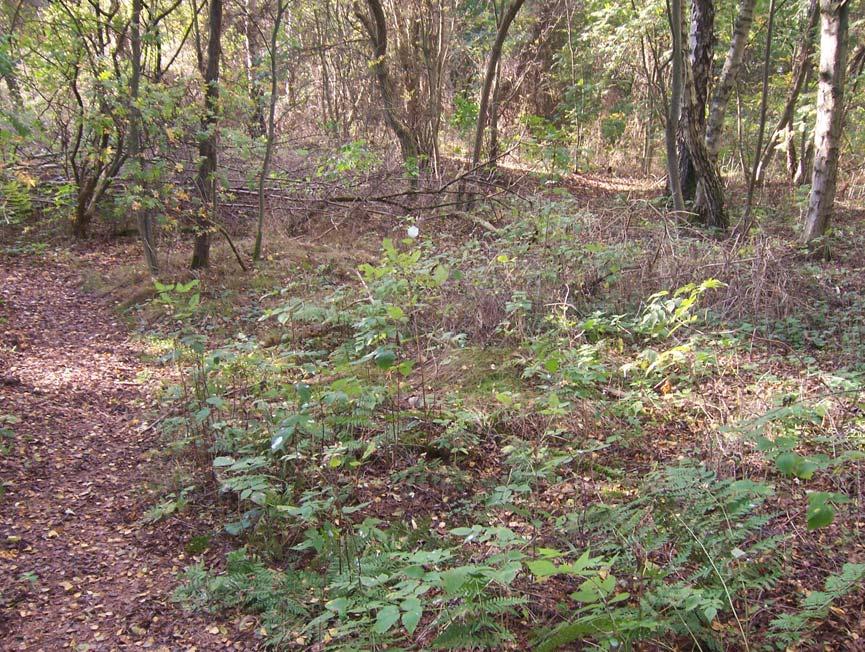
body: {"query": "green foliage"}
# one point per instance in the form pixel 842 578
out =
pixel 465 114
pixel 377 590
pixel 527 431
pixel 780 432
pixel 7 432
pixel 180 299
pixel 173 504
pixel 694 544
pixel 792 628
pixel 15 197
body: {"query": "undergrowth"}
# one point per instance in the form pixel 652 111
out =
pixel 487 445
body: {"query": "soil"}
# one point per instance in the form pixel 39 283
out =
pixel 77 568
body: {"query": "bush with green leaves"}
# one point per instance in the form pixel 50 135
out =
pixel 365 587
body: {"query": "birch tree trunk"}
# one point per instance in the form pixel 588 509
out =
pixel 834 19
pixel 709 204
pixel 727 80
pixel 701 47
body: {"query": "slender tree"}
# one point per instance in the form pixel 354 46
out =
pixel 489 77
pixel 251 60
pixel 142 214
pixel 675 15
pixel 207 147
pixel 709 204
pixel 281 6
pixel 800 73
pixel 8 65
pixel 727 80
pixel 834 21
pixel 752 180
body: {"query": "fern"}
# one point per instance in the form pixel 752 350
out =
pixel 697 544
pixel 790 628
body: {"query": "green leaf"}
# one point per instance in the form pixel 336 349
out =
pixel 304 393
pixel 386 618
pixel 338 605
pixel 794 465
pixel 384 358
pixel 453 579
pixel 440 274
pixel 412 612
pixel 395 312
pixel 820 512
pixel 542 568
pixel 223 461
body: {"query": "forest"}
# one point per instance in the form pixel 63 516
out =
pixel 432 324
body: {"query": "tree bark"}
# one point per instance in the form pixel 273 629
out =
pixel 805 162
pixel 675 16
pixel 710 195
pixel 801 69
pixel 377 31
pixel 142 214
pixel 701 47
pixel 494 118
pixel 252 56
pixel 207 147
pixel 727 80
pixel 834 19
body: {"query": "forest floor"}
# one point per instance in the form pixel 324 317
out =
pixel 82 566
pixel 76 569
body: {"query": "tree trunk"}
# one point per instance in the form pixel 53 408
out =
pixel 727 80
pixel 10 74
pixel 492 65
pixel 83 201
pixel 701 47
pixel 252 56
pixel 764 98
pixel 675 16
pixel 271 126
pixel 142 214
pixel 494 118
pixel 14 88
pixel 835 19
pixel 710 193
pixel 207 149
pixel 805 162
pixel 377 30
pixel 483 107
pixel 801 69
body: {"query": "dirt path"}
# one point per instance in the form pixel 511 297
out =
pixel 76 570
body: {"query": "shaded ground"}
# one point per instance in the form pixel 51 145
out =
pixel 76 569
